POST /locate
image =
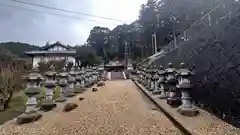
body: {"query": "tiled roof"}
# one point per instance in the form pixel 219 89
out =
pixel 55 44
pixel 51 52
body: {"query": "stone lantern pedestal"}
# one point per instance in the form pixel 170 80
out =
pixel 171 80
pixel 185 86
pixel 32 90
pixel 50 84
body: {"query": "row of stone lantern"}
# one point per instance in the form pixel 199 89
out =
pixel 70 83
pixel 170 84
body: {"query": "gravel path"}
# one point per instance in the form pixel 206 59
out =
pixel 115 109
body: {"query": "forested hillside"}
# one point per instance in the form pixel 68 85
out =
pixel 16 48
pixel 160 17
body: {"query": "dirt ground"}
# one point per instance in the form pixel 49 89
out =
pixel 115 109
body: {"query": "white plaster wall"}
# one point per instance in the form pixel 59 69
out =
pixel 57 48
pixel 71 59
pixel 38 59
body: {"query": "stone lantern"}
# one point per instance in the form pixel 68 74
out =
pixel 152 81
pixel 71 83
pixel 83 77
pixel 90 78
pixel 101 70
pixel 87 78
pixel 32 90
pixel 50 85
pixel 148 78
pixel 80 81
pixel 63 85
pixel 161 81
pixel 171 80
pixel 155 78
pixel 145 76
pixel 139 75
pixel 78 77
pixel 185 86
pixel 95 76
pixel 98 75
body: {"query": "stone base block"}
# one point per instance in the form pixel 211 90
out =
pixel 91 84
pixel 190 112
pixel 28 118
pixel 47 105
pixel 80 90
pixel 174 102
pixel 150 89
pixel 88 85
pixel 70 94
pixel 100 84
pixel 163 96
pixel 156 92
pixel 135 79
pixel 69 107
pixel 61 99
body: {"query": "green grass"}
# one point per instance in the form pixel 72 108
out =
pixel 17 104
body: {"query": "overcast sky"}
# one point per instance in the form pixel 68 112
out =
pixel 38 27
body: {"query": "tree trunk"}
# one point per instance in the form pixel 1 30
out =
pixel 142 51
pixel 6 104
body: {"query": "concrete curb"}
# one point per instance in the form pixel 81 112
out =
pixel 168 115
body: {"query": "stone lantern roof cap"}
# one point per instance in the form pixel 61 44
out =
pixel 50 73
pixel 184 72
pixel 63 74
pixel 34 75
pixel 33 91
pixel 170 70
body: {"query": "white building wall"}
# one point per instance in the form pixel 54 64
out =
pixel 71 59
pixel 37 59
pixel 57 48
